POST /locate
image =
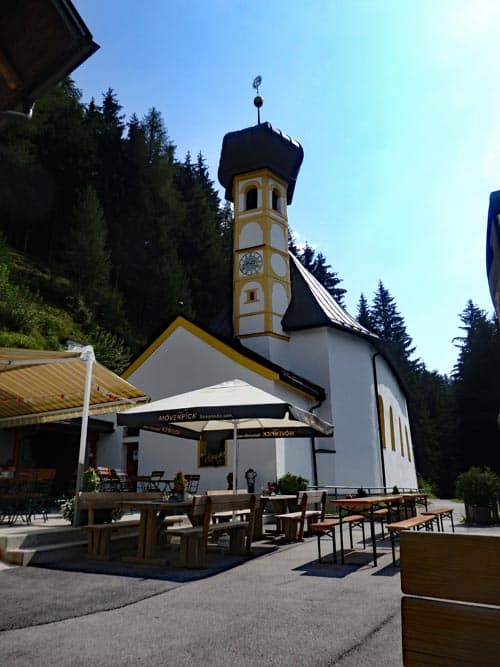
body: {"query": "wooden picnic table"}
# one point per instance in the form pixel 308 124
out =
pixel 280 503
pixel 152 514
pixel 365 505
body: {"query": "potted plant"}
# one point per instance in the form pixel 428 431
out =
pixel 90 482
pixel 479 489
pixel 179 488
pixel 292 483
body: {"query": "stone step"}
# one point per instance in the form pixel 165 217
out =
pixel 45 554
pixel 22 539
pixel 62 550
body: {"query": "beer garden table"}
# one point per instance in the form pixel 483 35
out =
pixel 365 505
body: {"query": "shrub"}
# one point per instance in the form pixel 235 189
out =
pixel 478 486
pixel 292 483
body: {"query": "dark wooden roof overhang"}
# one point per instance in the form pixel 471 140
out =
pixel 41 42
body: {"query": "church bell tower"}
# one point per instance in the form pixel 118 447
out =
pixel 258 169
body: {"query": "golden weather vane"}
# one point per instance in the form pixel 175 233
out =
pixel 258 100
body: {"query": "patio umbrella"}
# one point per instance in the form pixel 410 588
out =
pixel 231 409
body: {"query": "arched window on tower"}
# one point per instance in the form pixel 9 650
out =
pixel 276 200
pixel 251 198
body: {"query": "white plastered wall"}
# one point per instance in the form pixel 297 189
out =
pixel 184 363
pixel 342 364
pixel 399 468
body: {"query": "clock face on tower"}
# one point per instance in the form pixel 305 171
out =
pixel 250 263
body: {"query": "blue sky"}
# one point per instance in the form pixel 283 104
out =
pixel 397 106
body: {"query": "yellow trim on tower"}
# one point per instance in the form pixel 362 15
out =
pixel 216 344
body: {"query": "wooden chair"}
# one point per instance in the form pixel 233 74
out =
pixel 451 608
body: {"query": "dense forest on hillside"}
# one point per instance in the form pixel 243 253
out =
pixel 107 234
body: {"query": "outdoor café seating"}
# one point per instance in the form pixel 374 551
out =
pixel 25 494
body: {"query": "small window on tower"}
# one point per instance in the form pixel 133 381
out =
pixel 276 200
pixel 252 295
pixel 251 200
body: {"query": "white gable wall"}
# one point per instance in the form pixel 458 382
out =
pixel 184 362
pixel 342 363
pixel 354 411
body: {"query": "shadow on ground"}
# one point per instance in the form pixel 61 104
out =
pixel 327 568
pixel 65 589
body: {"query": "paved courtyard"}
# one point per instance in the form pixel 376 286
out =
pixel 281 608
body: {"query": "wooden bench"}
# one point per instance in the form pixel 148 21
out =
pixel 328 525
pixel 451 607
pixel 414 523
pixel 217 517
pixel 442 512
pixel 99 535
pixel 311 509
pixel 194 540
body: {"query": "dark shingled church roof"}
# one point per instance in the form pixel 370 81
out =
pixel 313 306
pixel 259 147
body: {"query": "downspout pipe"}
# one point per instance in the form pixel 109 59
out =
pixel 379 418
pixel 313 447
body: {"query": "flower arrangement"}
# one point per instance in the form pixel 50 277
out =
pixel 179 483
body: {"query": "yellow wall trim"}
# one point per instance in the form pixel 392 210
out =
pixel 265 333
pixel 223 348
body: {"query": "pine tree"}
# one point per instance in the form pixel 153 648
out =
pixel 86 257
pixel 388 323
pixel 477 389
pixel 364 316
pixel 316 264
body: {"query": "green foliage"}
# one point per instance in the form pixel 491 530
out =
pixel 315 262
pixel 361 492
pixel 425 486
pixel 120 233
pixel 292 483
pixel 477 390
pixel 388 323
pixel 179 482
pixel 90 480
pixel 110 350
pixel 478 486
pixel 27 321
pixel 364 317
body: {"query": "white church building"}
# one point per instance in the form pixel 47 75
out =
pixel 289 337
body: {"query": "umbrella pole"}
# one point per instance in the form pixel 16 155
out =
pixel 235 457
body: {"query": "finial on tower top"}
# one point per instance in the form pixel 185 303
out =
pixel 258 100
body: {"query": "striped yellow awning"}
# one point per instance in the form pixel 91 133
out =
pixel 37 386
